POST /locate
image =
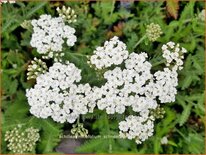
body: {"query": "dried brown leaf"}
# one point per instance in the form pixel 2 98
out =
pixel 172 8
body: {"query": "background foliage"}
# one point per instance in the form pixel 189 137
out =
pixel 98 21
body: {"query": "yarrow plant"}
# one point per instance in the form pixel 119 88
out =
pixel 129 81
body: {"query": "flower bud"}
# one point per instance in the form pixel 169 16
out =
pixel 153 32
pixel 36 68
pixel 67 14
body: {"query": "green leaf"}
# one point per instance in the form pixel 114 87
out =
pixel 105 11
pixel 37 6
pixel 188 11
pixel 195 143
pixel 50 136
pixel 163 128
pixel 18 108
pixel 193 71
pixel 172 143
pixel 13 86
pixel 91 145
pixel 187 82
pixel 185 114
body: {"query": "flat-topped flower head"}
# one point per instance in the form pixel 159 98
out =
pixel 57 95
pixel 49 34
pixel 137 128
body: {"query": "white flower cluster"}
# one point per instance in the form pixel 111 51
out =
pixel 165 86
pixel 173 55
pixel 22 141
pixel 56 94
pixel 137 87
pixel 49 34
pixel 59 95
pixel 135 127
pixel 113 52
pixel 126 87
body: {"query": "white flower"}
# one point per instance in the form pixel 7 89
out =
pixel 56 94
pixel 165 85
pixel 173 55
pixel 123 126
pixel 49 34
pixel 164 140
pixel 113 52
pixel 135 127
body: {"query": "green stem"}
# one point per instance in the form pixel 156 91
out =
pixel 181 134
pixel 78 121
pixel 112 9
pixel 187 20
pixel 78 54
pixel 139 41
pixel 108 131
pixel 158 63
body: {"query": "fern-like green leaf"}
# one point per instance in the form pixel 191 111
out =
pixel 185 114
pixel 16 110
pixel 91 145
pixel 50 134
pixel 36 7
